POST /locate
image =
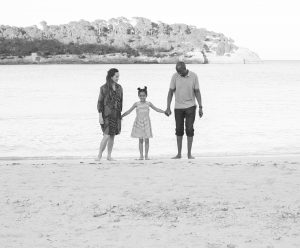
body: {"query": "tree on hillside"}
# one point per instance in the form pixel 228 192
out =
pixel 143 26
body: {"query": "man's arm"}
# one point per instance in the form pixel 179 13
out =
pixel 169 100
pixel 199 100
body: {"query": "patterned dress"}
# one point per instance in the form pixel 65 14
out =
pixel 142 124
pixel 110 105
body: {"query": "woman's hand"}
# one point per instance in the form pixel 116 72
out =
pixel 101 121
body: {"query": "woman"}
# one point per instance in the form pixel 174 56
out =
pixel 109 107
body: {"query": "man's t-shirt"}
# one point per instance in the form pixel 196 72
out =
pixel 184 89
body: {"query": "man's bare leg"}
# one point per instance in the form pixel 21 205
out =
pixel 179 147
pixel 189 147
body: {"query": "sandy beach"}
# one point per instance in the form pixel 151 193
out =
pixel 211 202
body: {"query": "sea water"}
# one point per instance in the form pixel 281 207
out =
pixel 51 110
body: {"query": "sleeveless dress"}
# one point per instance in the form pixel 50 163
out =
pixel 142 124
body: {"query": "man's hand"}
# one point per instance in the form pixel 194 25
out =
pixel 101 119
pixel 168 112
pixel 200 112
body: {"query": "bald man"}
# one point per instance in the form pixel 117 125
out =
pixel 184 84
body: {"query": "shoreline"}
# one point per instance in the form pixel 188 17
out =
pixel 167 158
pixel 121 58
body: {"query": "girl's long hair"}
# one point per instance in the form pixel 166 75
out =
pixel 110 73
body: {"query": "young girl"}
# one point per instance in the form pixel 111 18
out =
pixel 142 126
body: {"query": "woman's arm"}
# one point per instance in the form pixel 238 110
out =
pixel 100 106
pixel 155 108
pixel 100 103
pixel 121 107
pixel 129 110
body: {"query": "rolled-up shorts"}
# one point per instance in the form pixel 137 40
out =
pixel 187 117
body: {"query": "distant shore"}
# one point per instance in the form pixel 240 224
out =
pixel 123 58
pixel 93 59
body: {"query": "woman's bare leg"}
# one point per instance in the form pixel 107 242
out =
pixel 102 146
pixel 110 145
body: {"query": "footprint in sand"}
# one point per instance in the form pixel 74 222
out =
pixel 159 162
pixel 136 164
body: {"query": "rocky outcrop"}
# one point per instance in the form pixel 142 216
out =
pixel 138 37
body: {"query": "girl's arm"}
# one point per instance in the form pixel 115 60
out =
pixel 155 108
pixel 129 110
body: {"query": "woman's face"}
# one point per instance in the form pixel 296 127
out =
pixel 115 77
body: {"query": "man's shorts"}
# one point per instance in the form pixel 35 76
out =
pixel 189 115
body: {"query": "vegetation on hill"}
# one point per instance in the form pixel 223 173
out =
pixel 136 37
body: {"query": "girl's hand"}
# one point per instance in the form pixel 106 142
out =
pixel 101 121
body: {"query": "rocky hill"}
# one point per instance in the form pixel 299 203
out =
pixel 136 40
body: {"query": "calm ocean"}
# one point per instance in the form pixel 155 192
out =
pixel 50 110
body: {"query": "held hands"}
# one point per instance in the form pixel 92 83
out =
pixel 168 112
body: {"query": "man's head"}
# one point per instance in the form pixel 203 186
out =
pixel 181 69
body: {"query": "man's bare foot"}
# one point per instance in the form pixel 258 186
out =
pixel 191 157
pixel 141 158
pixel 147 158
pixel 110 159
pixel 178 156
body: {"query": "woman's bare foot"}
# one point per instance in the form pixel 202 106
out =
pixel 190 157
pixel 99 157
pixel 178 156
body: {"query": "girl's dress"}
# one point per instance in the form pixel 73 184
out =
pixel 142 125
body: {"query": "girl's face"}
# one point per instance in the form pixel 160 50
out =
pixel 142 96
pixel 115 77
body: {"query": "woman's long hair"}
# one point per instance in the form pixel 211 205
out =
pixel 110 73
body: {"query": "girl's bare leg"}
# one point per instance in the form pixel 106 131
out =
pixel 141 143
pixel 102 146
pixel 146 149
pixel 110 145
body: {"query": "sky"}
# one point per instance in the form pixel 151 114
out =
pixel 267 27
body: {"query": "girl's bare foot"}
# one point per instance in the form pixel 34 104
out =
pixel 147 158
pixel 191 157
pixel 141 158
pixel 178 156
pixel 110 159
